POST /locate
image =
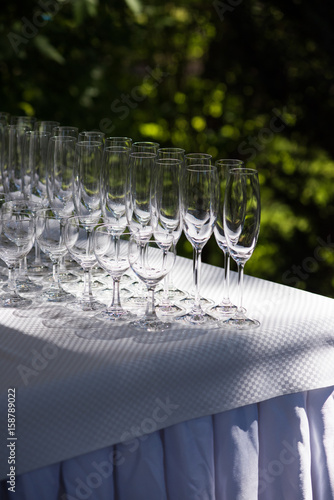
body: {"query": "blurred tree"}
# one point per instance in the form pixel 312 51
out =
pixel 252 80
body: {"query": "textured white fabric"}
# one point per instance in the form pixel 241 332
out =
pixel 76 395
pixel 280 449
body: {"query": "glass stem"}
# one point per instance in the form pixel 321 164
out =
pixel 55 275
pixel 226 284
pixel 240 287
pixel 87 292
pixel 150 307
pixel 116 299
pixel 38 260
pixel 196 275
pixel 11 283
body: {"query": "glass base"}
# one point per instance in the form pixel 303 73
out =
pixel 85 305
pixel 115 314
pixel 197 318
pixel 174 294
pixel 57 295
pixel 150 324
pixel 27 286
pixel 223 309
pixel 168 309
pixel 241 323
pixel 7 300
pixel 189 302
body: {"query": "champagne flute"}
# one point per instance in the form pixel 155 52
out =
pixel 59 186
pixel 114 186
pixel 12 161
pixel 145 146
pixel 65 131
pixel 225 307
pixel 91 135
pixel 45 126
pixel 35 150
pixel 139 205
pixel 200 198
pixel 242 210
pixel 167 215
pixel 197 159
pixel 125 142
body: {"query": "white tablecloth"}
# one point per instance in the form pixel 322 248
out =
pixel 76 395
pixel 279 449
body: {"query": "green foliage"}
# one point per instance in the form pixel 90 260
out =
pixel 252 81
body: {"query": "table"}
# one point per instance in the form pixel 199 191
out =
pixel 193 413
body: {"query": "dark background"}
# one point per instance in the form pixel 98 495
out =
pixel 245 79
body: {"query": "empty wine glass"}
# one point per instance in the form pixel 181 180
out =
pixel 50 237
pixel 200 198
pixel 46 126
pixel 79 243
pixel 167 216
pixel 11 163
pixel 140 193
pixel 114 186
pixel 197 159
pixel 125 142
pixel 242 210
pixel 111 249
pixel 35 150
pixel 225 307
pixel 16 241
pixel 151 260
pixel 59 186
pixel 65 131
pixel 91 135
pixel 145 146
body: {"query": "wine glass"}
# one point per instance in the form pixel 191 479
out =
pixel 87 180
pixel 111 249
pixel 174 293
pixel 114 186
pixel 242 210
pixel 197 159
pixel 35 150
pixel 12 161
pixel 125 142
pixel 16 241
pixel 65 131
pixel 139 206
pixel 151 260
pixel 50 237
pixel 59 186
pixel 167 214
pixel 225 307
pixel 91 135
pixel 200 198
pixel 45 126
pixel 145 146
pixel 27 122
pixel 27 208
pixel 78 240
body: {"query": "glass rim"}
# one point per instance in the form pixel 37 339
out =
pixel 174 161
pixel 201 167
pixel 243 171
pixel 198 155
pixel 105 225
pixel 143 154
pixel 229 161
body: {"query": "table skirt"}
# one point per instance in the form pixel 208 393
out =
pixel 278 449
